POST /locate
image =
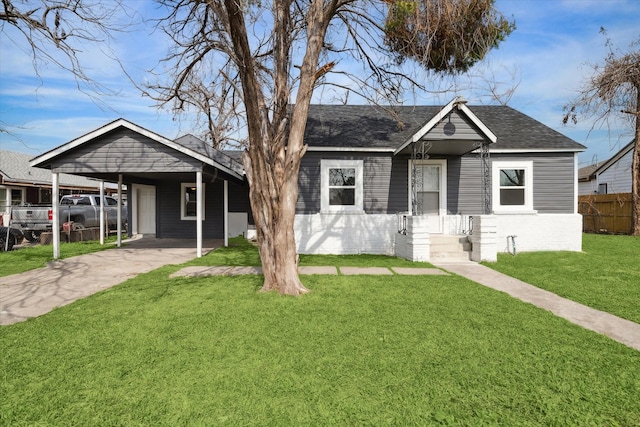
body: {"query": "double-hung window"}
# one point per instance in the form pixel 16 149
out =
pixel 189 201
pixel 341 185
pixel 512 186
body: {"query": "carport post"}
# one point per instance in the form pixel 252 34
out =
pixel 55 215
pixel 102 212
pixel 226 213
pixel 119 240
pixel 199 213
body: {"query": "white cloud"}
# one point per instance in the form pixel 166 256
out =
pixel 549 49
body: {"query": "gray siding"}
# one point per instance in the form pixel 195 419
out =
pixel 239 199
pixel 385 182
pixel 399 188
pixel 465 129
pixel 464 185
pixel 168 222
pixel 309 183
pixel 124 151
pixel 553 175
pixel 168 212
pixel 553 183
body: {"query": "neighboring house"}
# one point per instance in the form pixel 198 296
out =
pixel 22 184
pixel 368 183
pixel 610 177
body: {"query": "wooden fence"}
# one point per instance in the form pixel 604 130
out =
pixel 606 213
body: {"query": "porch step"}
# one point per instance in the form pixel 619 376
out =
pixel 450 248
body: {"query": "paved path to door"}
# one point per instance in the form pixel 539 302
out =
pixel 202 271
pixel 621 330
pixel 39 291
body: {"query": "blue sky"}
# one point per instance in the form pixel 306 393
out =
pixel 547 57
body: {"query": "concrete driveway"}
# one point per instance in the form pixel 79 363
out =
pixel 36 292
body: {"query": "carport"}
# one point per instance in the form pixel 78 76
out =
pixel 163 177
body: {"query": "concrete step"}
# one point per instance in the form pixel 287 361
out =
pixel 449 248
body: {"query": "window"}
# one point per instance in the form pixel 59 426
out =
pixel 341 185
pixel 16 197
pixel 602 188
pixel 512 186
pixel 3 200
pixel 189 201
pixel 45 196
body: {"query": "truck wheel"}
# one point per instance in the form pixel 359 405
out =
pixel 77 227
pixel 3 242
pixel 32 236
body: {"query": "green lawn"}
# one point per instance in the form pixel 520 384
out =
pixel 605 276
pixel 357 350
pixel 241 252
pixel 29 258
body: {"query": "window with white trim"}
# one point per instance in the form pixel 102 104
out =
pixel 189 201
pixel 512 186
pixel 341 185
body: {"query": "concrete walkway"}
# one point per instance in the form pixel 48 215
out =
pixel 202 271
pixel 39 291
pixel 621 330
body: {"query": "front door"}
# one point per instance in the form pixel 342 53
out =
pixel 144 209
pixel 429 195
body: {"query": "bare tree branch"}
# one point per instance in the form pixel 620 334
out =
pixel 50 27
pixel 274 55
pixel 613 88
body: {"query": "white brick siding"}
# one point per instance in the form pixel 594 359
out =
pixel 343 234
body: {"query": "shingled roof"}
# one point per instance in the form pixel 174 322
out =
pixel 222 157
pixel 14 167
pixel 366 126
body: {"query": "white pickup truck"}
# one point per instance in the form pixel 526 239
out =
pixel 83 210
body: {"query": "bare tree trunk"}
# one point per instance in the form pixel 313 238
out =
pixel 278 247
pixel 272 162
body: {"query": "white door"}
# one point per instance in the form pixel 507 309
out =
pixel 144 209
pixel 430 192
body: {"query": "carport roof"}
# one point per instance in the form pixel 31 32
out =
pixel 201 152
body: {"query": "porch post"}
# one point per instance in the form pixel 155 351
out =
pixel 575 183
pixel 484 245
pixel 102 212
pixel 55 217
pixel 199 214
pixel 226 213
pixel 119 239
